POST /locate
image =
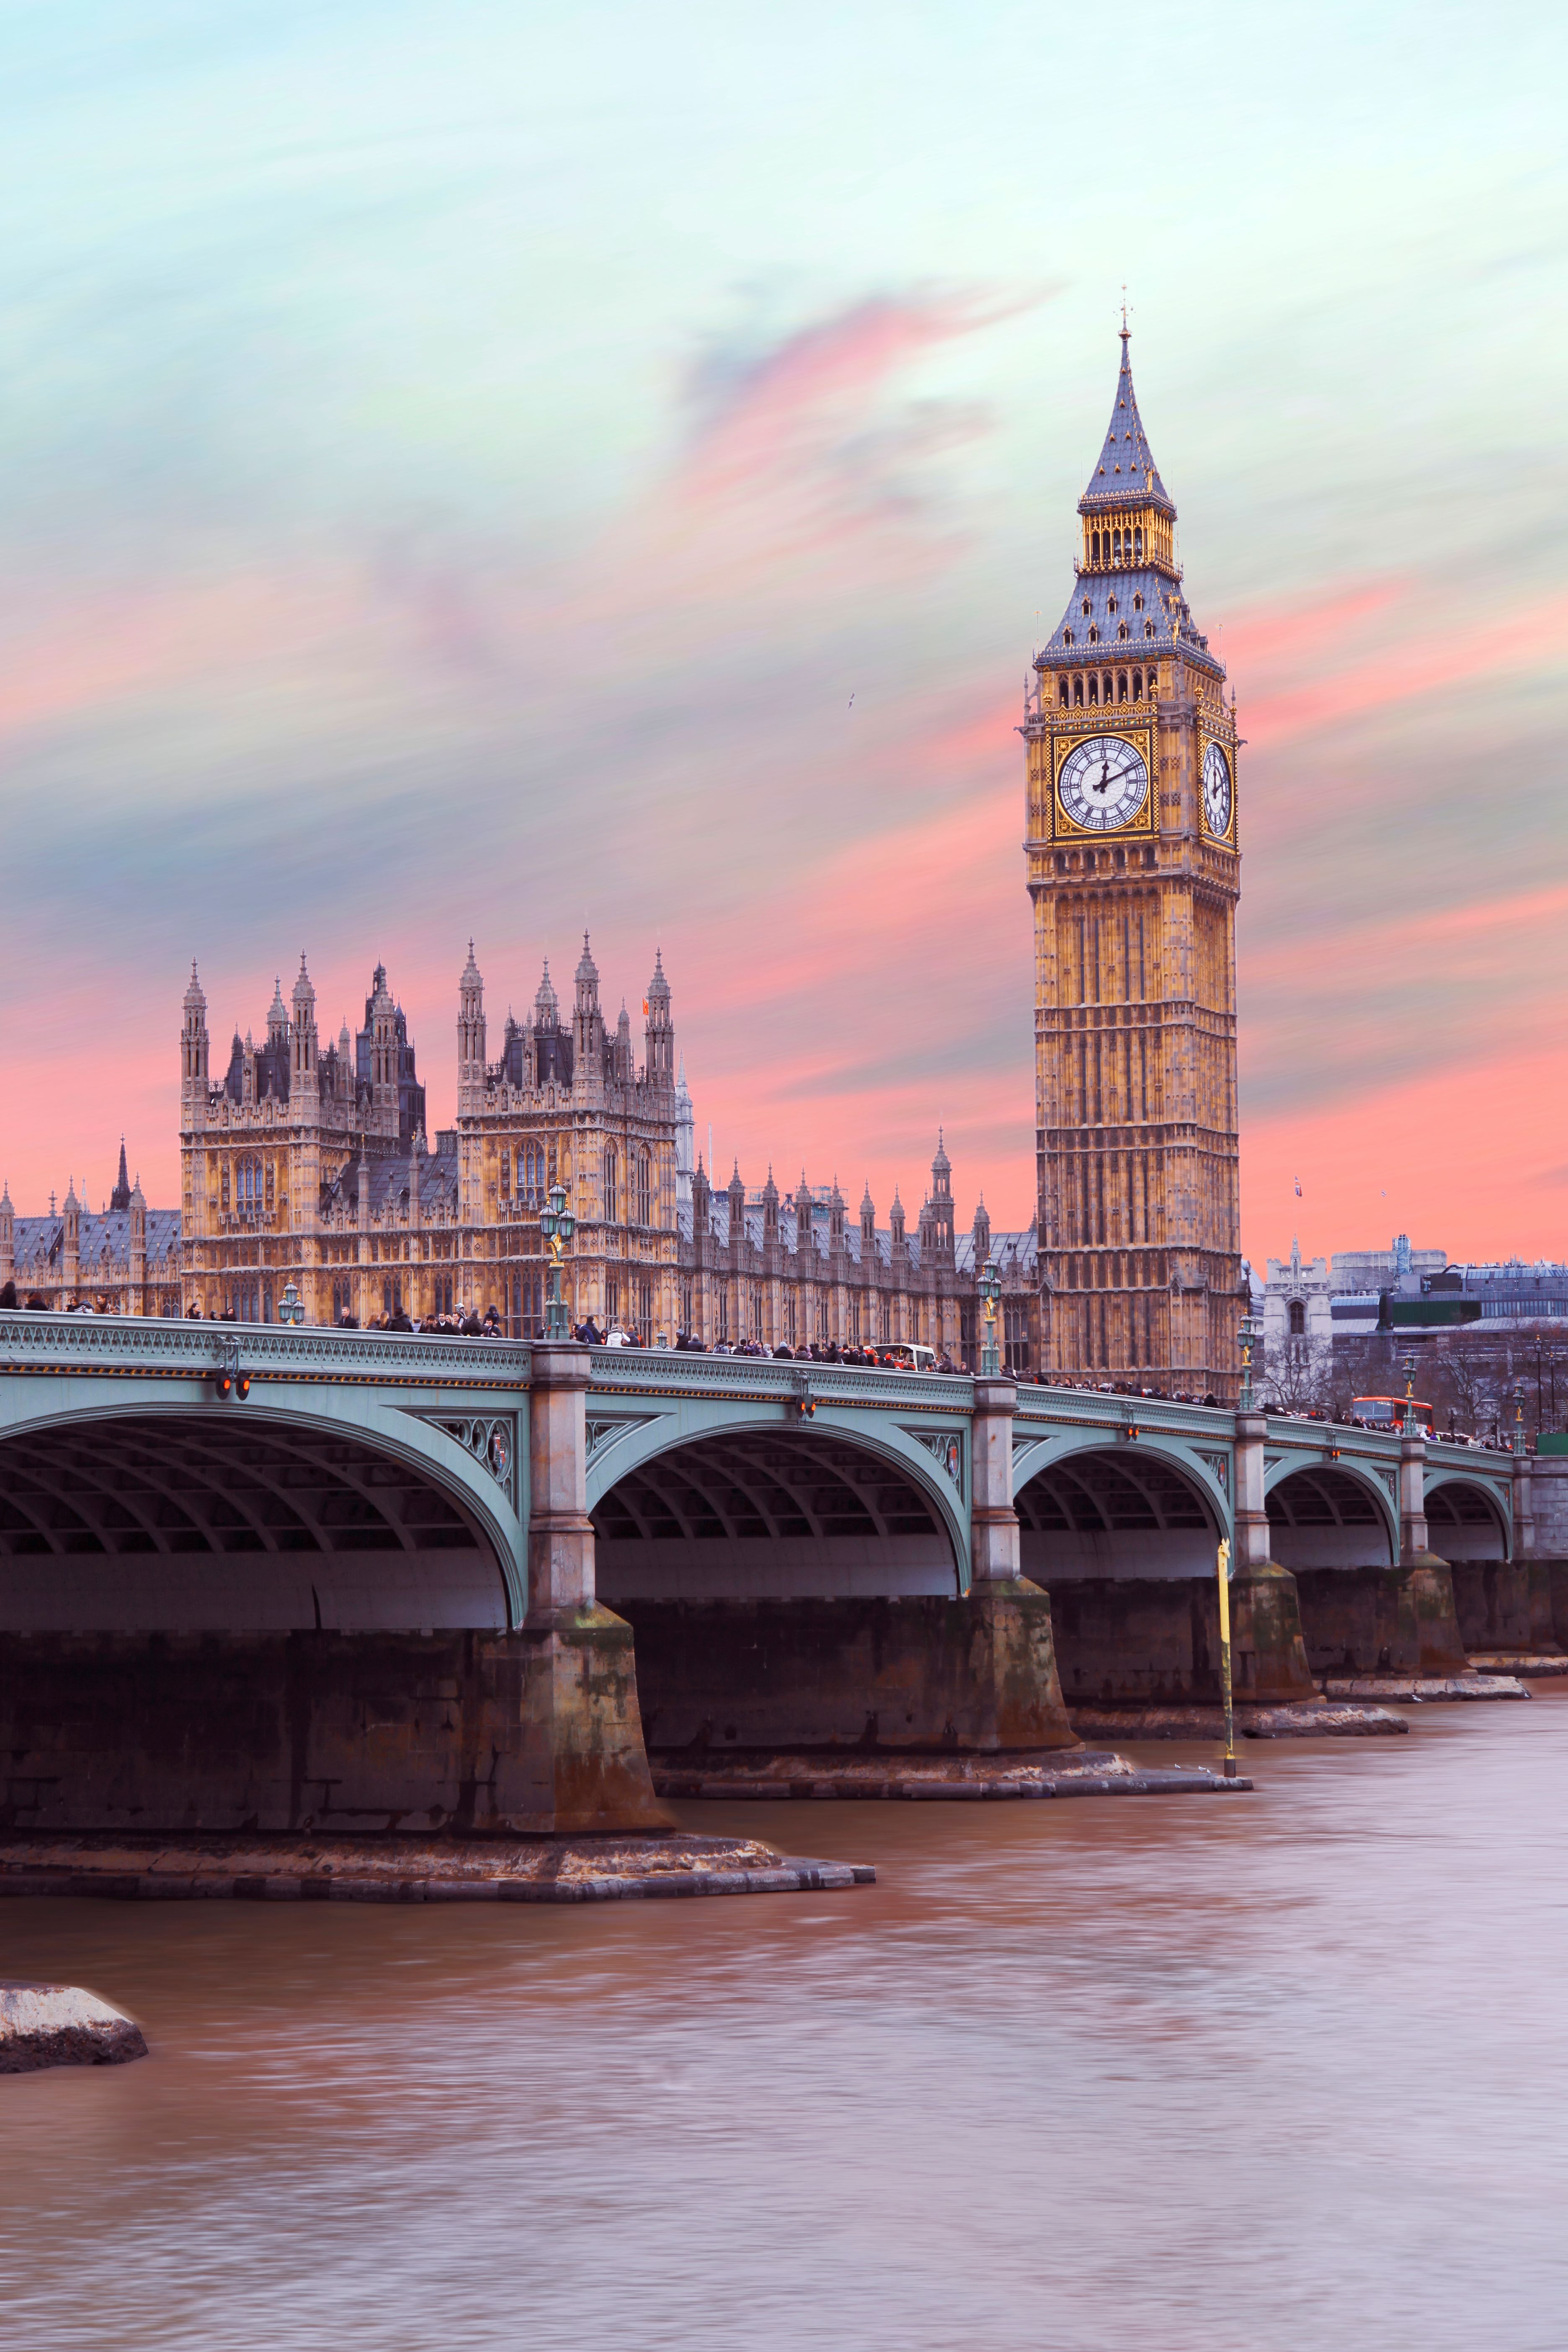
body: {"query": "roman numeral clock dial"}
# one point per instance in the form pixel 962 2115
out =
pixel 1103 784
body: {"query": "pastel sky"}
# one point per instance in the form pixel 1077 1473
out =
pixel 493 468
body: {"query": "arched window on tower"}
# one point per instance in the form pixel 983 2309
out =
pixel 1121 629
pixel 1094 636
pixel 610 1185
pixel 1138 602
pixel 645 1187
pixel 1066 636
pixel 1105 687
pixel 1062 695
pixel 1298 1320
pixel 1121 685
pixel 1110 603
pixel 1137 685
pixel 1094 686
pixel 1086 606
pixel 1148 628
pixel 1077 689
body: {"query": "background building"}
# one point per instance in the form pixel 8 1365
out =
pixel 125 1260
pixel 310 1166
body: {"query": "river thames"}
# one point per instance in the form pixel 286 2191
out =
pixel 1290 2068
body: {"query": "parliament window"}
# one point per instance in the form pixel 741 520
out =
pixel 645 1189
pixel 611 1173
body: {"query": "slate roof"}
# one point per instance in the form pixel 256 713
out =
pixel 389 1181
pixel 40 1242
pixel 1069 646
pixel 1125 471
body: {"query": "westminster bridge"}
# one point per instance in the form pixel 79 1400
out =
pixel 254 1575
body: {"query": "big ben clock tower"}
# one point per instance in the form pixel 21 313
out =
pixel 1134 872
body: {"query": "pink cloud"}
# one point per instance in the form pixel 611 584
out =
pixel 1429 653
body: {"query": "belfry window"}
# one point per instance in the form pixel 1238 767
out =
pixel 1137 685
pixel 1077 689
pixel 1121 685
pixel 1105 687
pixel 1093 686
pixel 1063 697
pixel 1138 537
pixel 1093 551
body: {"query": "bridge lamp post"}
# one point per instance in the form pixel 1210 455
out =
pixel 558 1225
pixel 1517 1434
pixel 1251 1329
pixel 291 1306
pixel 990 1291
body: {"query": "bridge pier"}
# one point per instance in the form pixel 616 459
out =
pixel 582 1687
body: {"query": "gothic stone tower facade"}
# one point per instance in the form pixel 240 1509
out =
pixel 1134 873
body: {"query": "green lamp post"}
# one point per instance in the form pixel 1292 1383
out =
pixel 558 1225
pixel 990 1291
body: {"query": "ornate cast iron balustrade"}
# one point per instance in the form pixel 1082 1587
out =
pixel 119 1343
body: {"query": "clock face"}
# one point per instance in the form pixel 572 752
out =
pixel 1216 793
pixel 1103 784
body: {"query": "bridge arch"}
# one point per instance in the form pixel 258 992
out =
pixel 1329 1515
pixel 1131 1510
pixel 1465 1518
pixel 748 1507
pixel 257 1516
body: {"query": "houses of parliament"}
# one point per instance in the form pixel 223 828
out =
pixel 310 1162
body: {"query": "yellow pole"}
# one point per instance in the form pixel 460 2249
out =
pixel 1224 1660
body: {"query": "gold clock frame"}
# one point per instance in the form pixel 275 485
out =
pixel 1066 827
pixel 1225 840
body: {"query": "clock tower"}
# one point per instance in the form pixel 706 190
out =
pixel 1134 872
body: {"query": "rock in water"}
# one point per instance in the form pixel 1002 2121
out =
pixel 60 2025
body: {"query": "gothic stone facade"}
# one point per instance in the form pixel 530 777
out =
pixel 1134 871
pixel 311 1166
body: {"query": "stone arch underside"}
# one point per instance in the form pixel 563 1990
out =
pixel 1463 1522
pixel 227 1522
pixel 1324 1518
pixel 775 1515
pixel 1128 1513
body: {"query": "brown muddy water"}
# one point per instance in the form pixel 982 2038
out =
pixel 1281 2070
